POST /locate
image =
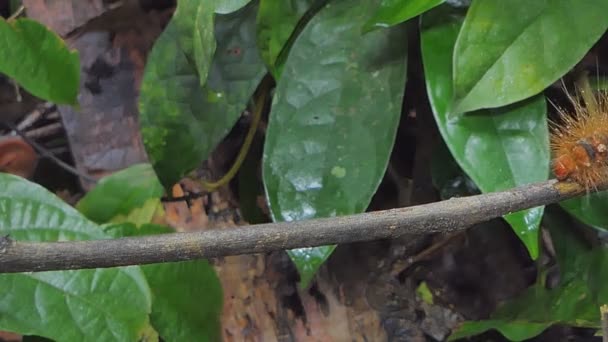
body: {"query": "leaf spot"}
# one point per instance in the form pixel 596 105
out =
pixel 338 172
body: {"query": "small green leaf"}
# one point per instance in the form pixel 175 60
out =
pixel 120 193
pixel 39 60
pixel 182 122
pixel 393 12
pixel 333 120
pixel 509 51
pixel 141 215
pixel 499 148
pixel 425 293
pixel 85 305
pixel 275 24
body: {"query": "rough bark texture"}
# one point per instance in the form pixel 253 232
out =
pixel 439 217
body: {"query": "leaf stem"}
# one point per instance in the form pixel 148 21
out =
pixel 257 115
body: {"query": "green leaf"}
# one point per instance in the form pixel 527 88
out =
pixel 125 229
pixel 575 301
pixel 85 305
pixel 39 60
pixel 393 12
pixel 499 148
pixel 120 193
pixel 187 295
pixel 333 120
pixel 187 301
pixel 514 331
pixel 276 22
pixel 182 122
pixel 204 39
pixel 142 215
pixel 567 243
pixel 589 209
pixel 229 6
pixel 509 51
pixel 425 293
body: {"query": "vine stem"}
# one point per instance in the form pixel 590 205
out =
pixel 257 116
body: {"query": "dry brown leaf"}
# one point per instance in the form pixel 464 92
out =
pixel 17 157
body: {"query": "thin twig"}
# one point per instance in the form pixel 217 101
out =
pixel 446 216
pixel 44 131
pixel 17 13
pixel 32 117
pixel 401 266
pixel 18 96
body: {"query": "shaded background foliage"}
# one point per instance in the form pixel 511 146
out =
pixel 374 104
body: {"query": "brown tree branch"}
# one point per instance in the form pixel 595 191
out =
pixel 446 216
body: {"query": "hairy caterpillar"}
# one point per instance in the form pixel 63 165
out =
pixel 579 144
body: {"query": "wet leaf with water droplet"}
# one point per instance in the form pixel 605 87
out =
pixel 333 120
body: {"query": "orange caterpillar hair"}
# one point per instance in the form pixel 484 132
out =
pixel 579 144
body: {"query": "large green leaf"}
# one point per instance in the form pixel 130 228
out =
pixel 120 193
pixel 508 51
pixel 85 305
pixel 575 301
pixel 333 120
pixel 393 12
pixel 500 148
pixel 39 60
pixel 275 23
pixel 181 122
